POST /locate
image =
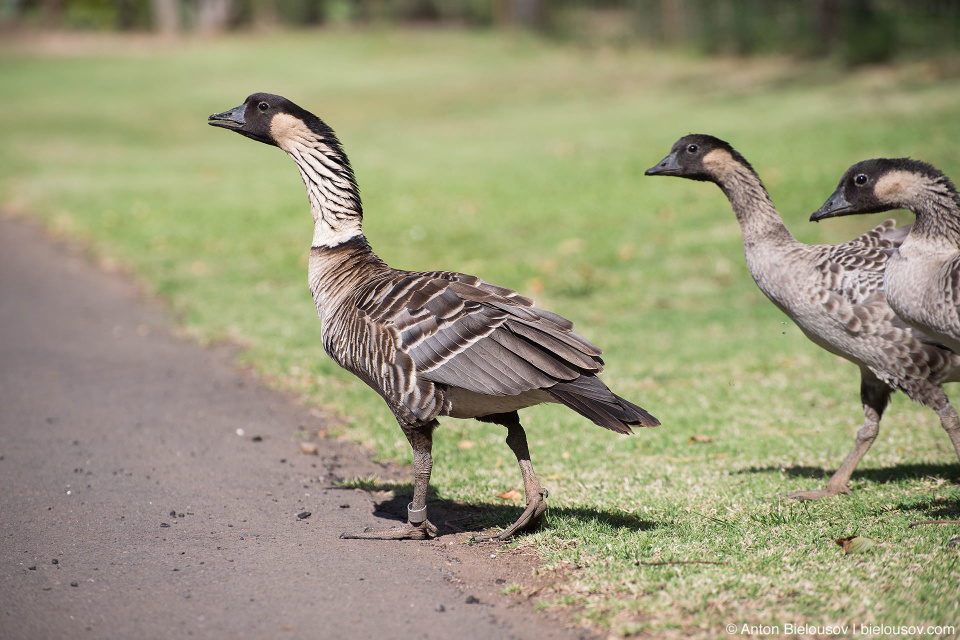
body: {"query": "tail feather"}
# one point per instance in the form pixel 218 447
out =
pixel 588 396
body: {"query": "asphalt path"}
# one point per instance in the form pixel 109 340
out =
pixel 148 489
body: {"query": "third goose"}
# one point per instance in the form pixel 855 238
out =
pixel 922 280
pixel 833 293
pixel 437 343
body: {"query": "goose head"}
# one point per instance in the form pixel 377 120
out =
pixel 880 184
pixel 271 119
pixel 699 157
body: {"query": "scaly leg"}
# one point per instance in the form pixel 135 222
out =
pixel 417 527
pixel 875 396
pixel 950 423
pixel 535 494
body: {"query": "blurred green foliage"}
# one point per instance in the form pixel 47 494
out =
pixel 854 31
pixel 521 160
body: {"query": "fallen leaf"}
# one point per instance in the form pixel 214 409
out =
pixel 856 544
pixel 309 448
pixel 513 494
pixel 699 438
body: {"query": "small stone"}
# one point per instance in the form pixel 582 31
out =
pixel 441 608
pixel 500 581
pixel 33 568
pixel 954 542
pixel 74 584
pixel 310 448
pixel 164 525
pixel 256 439
pixel 344 506
pixel 54 561
pixel 472 600
pixel 303 515
pixel 173 513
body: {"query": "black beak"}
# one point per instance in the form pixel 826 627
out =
pixel 232 119
pixel 836 205
pixel 666 167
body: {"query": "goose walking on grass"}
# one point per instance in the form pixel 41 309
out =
pixel 432 344
pixel 922 279
pixel 834 293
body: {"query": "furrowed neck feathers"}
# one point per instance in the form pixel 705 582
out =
pixel 327 175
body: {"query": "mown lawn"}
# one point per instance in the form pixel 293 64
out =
pixel 522 162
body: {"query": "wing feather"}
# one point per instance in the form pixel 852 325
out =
pixel 464 332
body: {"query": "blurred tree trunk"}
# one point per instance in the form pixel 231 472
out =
pixel 166 16
pixel 265 15
pixel 52 12
pixel 314 12
pixel 213 15
pixel 673 21
pixel 528 13
pixel 828 21
pixel 126 15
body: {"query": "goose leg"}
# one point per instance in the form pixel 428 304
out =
pixel 417 527
pixel 950 423
pixel 875 395
pixel 535 494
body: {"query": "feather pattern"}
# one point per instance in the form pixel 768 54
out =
pixel 834 293
pixel 413 335
pixel 431 343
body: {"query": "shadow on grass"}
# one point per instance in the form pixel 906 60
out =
pixel 897 473
pixel 456 517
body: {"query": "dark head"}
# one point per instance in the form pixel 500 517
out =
pixel 699 157
pixel 879 185
pixel 271 119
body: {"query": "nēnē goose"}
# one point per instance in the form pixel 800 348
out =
pixel 432 344
pixel 834 293
pixel 922 280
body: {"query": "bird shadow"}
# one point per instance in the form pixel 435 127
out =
pixel 451 516
pixel 950 472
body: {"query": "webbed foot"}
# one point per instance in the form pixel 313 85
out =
pixel 422 531
pixel 529 519
pixel 417 528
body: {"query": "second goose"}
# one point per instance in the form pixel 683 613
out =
pixel 834 293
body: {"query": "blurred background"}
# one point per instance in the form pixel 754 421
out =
pixel 508 139
pixel 855 31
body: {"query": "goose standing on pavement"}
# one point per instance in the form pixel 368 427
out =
pixel 431 344
pixel 834 293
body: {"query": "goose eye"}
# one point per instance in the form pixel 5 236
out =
pixel 692 148
pixel 263 106
pixel 861 179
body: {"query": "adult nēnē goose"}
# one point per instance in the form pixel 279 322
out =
pixel 922 280
pixel 432 344
pixel 834 293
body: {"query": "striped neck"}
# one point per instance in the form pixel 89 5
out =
pixel 327 175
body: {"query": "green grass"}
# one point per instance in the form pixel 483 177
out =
pixel 522 162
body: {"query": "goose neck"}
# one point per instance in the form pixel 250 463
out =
pixel 331 187
pixel 758 218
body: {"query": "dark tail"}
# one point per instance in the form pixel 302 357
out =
pixel 588 396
